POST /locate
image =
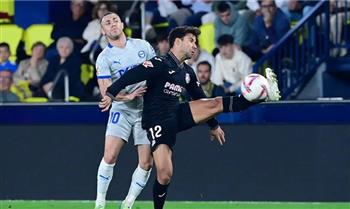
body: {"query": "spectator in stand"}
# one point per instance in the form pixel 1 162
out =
pixel 92 32
pixel 162 45
pixel 308 5
pixel 211 90
pixel 163 11
pixel 293 10
pixel 229 21
pixel 198 9
pixel 31 70
pixel 5 84
pixel 270 27
pixel 231 64
pixel 199 56
pixel 240 6
pixel 254 5
pixel 72 26
pixel 69 62
pixel 339 16
pixel 5 63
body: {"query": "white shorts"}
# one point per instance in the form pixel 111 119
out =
pixel 122 123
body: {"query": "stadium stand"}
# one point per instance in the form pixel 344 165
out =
pixel 37 32
pixel 206 39
pixel 12 34
pixel 7 11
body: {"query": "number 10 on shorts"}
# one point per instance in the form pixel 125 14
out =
pixel 155 131
pixel 114 118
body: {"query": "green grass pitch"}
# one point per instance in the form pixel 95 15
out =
pixel 21 204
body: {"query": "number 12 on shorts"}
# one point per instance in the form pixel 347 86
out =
pixel 155 131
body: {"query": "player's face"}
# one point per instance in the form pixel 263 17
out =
pixel 112 26
pixel 196 54
pixel 203 73
pixel 189 45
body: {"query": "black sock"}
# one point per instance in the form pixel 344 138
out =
pixel 236 103
pixel 159 194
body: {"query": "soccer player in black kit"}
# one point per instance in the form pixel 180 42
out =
pixel 163 115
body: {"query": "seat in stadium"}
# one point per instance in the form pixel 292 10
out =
pixel 11 34
pixel 7 11
pixel 128 32
pixel 37 32
pixel 87 73
pixel 207 37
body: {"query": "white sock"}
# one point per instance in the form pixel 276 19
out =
pixel 138 182
pixel 104 177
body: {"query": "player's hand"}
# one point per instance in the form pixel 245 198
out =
pixel 128 97
pixel 105 103
pixel 218 134
pixel 137 93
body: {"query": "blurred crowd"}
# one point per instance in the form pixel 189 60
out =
pixel 245 30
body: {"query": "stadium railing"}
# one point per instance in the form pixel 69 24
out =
pixel 297 56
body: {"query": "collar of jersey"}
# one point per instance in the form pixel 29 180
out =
pixel 111 46
pixel 175 60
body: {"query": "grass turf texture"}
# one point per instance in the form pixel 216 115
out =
pixel 21 204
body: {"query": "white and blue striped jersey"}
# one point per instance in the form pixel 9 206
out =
pixel 113 62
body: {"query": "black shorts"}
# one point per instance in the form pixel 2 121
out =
pixel 164 132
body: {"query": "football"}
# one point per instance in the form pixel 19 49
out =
pixel 254 87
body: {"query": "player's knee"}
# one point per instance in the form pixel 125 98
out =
pixel 164 176
pixel 109 158
pixel 146 164
pixel 164 179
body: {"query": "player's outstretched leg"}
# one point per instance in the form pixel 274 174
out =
pixel 162 160
pixel 204 109
pixel 140 176
pixel 113 146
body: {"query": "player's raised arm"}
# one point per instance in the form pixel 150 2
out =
pixel 146 70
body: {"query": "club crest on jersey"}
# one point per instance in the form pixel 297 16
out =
pixel 147 64
pixel 142 54
pixel 187 78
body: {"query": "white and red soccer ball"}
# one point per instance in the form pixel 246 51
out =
pixel 254 87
